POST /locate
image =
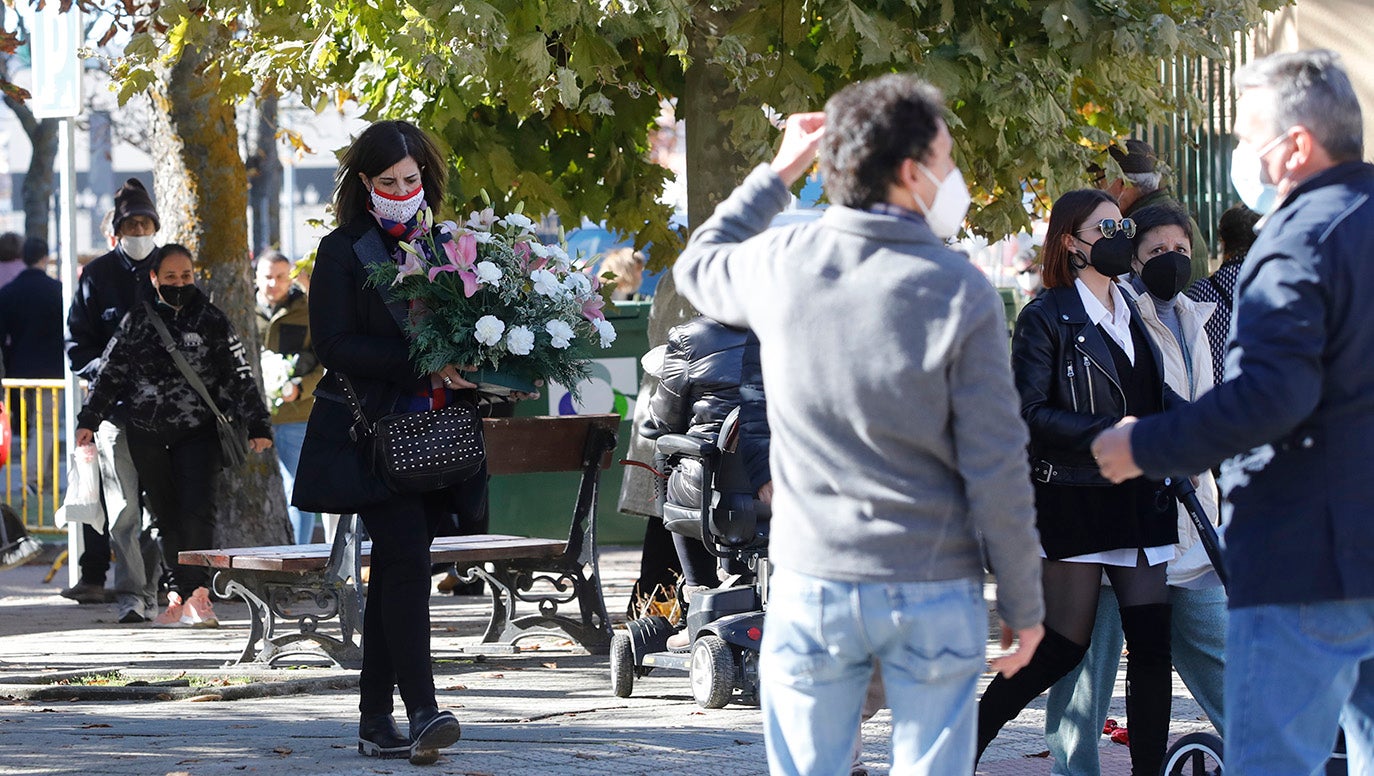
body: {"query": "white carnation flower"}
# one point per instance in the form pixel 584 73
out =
pixel 546 283
pixel 485 237
pixel 606 330
pixel 539 249
pixel 578 284
pixel 489 329
pixel 488 273
pixel 561 333
pixel 519 221
pixel 559 255
pixel 520 341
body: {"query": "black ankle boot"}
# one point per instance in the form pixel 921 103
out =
pixel 379 737
pixel 1005 698
pixel 1149 684
pixel 430 731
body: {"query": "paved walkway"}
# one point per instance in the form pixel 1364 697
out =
pixel 541 711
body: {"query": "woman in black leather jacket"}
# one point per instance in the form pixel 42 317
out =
pixel 1082 360
pixel 389 173
pixel 700 383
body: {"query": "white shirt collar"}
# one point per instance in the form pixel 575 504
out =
pixel 1121 317
pixel 1118 322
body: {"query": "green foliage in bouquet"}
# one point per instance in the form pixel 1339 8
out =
pixel 487 293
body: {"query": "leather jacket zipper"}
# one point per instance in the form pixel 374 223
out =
pixel 1073 389
pixel 1092 405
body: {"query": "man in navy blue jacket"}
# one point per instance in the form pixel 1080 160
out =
pixel 1296 413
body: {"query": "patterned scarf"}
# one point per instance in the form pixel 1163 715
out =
pixel 404 231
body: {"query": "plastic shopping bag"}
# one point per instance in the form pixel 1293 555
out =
pixel 81 504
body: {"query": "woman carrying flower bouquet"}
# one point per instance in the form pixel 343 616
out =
pixel 387 183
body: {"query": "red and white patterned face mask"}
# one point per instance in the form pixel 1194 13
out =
pixel 400 209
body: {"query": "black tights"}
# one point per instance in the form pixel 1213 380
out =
pixel 1071 592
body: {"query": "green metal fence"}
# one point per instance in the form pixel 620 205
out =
pixel 1197 143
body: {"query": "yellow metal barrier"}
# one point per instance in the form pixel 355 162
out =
pixel 36 474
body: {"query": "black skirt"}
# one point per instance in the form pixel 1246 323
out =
pixel 1077 520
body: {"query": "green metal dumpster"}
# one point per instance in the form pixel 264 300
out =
pixel 540 504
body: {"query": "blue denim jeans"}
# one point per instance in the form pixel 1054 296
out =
pixel 287 438
pixel 821 640
pixel 1078 703
pixel 1293 672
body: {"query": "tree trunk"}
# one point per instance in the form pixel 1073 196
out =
pixel 265 178
pixel 39 181
pixel 201 188
pixel 714 167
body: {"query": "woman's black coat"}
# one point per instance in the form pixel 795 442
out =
pixel 1070 391
pixel 1067 380
pixel 358 334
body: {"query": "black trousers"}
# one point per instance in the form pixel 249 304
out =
pixel 178 482
pixel 396 619
pixel 95 555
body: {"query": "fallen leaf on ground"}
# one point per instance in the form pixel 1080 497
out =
pixel 282 750
pixel 549 665
pixel 209 696
pixel 93 725
pixel 455 688
pixel 494 676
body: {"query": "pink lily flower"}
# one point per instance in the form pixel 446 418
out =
pixel 462 258
pixel 411 264
pixel 524 252
pixel 591 309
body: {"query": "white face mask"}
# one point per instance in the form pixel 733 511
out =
pixel 1247 176
pixel 946 214
pixel 137 247
pixel 399 209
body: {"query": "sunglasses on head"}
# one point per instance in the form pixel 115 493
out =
pixel 1109 227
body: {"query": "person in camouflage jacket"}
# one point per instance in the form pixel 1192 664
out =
pixel 171 430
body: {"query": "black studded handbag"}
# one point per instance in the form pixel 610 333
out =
pixel 419 452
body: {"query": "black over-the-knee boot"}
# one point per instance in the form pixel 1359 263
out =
pixel 1005 698
pixel 1149 684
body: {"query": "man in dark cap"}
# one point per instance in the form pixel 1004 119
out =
pixel 110 285
pixel 1140 187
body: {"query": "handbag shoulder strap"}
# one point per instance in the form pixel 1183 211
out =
pixel 182 364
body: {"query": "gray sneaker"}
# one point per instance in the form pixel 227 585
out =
pixel 131 609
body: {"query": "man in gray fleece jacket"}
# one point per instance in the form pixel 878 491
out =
pixel 897 441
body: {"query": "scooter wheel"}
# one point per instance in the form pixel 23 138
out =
pixel 622 666
pixel 1196 754
pixel 713 672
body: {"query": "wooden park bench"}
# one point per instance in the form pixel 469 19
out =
pixel 291 590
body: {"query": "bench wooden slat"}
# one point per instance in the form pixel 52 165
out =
pixel 542 444
pixel 314 557
pixel 559 579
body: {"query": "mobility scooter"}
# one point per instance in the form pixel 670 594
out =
pixel 726 623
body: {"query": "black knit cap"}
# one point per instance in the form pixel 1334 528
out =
pixel 133 200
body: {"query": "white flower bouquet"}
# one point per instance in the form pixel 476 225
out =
pixel 487 293
pixel 276 373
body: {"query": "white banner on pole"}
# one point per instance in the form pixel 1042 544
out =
pixel 56 44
